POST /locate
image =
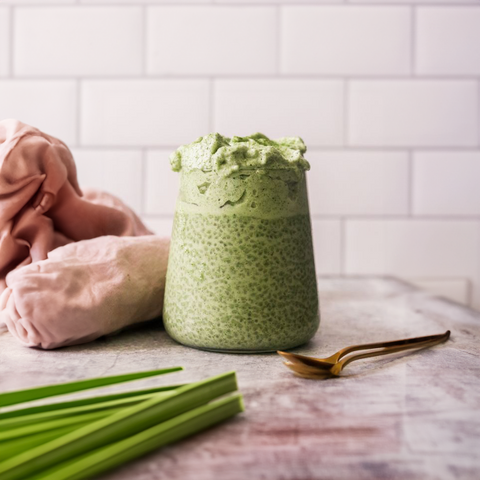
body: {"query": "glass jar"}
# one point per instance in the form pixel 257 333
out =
pixel 241 274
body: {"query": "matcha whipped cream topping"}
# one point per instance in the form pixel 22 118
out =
pixel 216 153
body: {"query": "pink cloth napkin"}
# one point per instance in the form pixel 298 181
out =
pixel 41 209
pixel 41 204
pixel 85 290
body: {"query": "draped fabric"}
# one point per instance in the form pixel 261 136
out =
pixel 41 204
pixel 85 290
pixel 64 266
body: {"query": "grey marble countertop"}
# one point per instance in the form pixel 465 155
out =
pixel 407 416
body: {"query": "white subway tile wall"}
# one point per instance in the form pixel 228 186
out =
pixel 446 183
pixel 4 41
pixel 414 2
pixel 64 41
pixel 386 94
pixel 448 41
pixel 116 171
pixel 313 109
pixel 143 112
pixel 159 226
pixel 346 40
pixel 211 40
pixel 416 113
pixel 358 182
pixel 38 2
pixel 327 246
pixel 50 105
pixel 414 248
pixel 161 184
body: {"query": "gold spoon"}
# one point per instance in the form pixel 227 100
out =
pixel 311 367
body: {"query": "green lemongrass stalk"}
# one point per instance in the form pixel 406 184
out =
pixel 127 422
pixel 20 396
pixel 43 417
pixel 116 454
pixel 83 401
pixel 26 430
pixel 19 445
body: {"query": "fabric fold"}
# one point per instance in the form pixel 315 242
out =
pixel 73 265
pixel 85 290
pixel 41 204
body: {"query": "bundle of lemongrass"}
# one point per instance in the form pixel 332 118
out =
pixel 82 438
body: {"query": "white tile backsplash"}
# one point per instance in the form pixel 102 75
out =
pixel 43 3
pixel 327 246
pixel 4 41
pixel 220 40
pixel 416 113
pixel 68 41
pixel 413 248
pixel 145 2
pixel 385 94
pixel 414 2
pixel 448 41
pixel 48 105
pixel 316 2
pixel 358 182
pixel 446 183
pixel 159 226
pixel 345 40
pixel 144 112
pixel 312 109
pixel 116 171
pixel 161 183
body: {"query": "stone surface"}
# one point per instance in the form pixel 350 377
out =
pixel 411 415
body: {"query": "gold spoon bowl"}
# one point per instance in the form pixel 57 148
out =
pixel 311 367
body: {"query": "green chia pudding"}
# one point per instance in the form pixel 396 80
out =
pixel 241 274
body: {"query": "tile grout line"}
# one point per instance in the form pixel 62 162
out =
pixel 343 246
pixel 413 39
pixel 307 77
pixel 346 110
pixel 143 176
pixel 211 104
pixel 478 115
pixel 314 148
pixel 410 184
pixel 373 217
pixel 78 132
pixel 238 3
pixel 471 299
pixel 475 287
pixel 278 41
pixel 144 40
pixel 11 38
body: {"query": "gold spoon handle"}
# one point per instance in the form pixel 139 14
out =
pixel 406 342
pixel 431 340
